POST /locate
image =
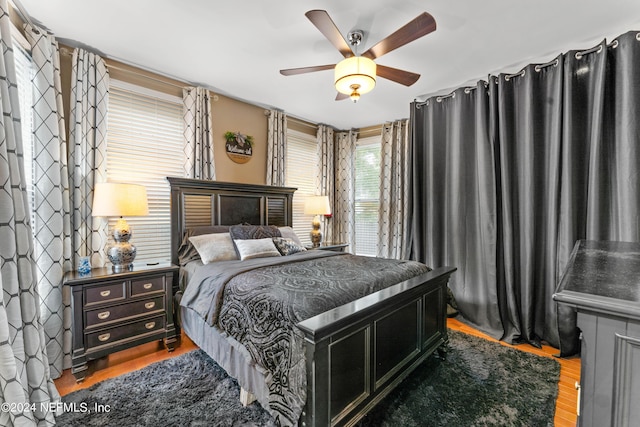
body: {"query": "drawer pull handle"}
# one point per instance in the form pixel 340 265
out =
pixel 148 285
pixel 150 325
pixel 104 315
pixel 104 337
pixel 105 293
pixel 150 305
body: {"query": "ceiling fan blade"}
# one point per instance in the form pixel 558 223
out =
pixel 420 26
pixel 303 70
pixel 403 77
pixel 341 96
pixel 324 23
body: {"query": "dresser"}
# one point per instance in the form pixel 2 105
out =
pixel 602 284
pixel 114 311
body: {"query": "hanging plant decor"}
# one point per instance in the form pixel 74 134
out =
pixel 239 147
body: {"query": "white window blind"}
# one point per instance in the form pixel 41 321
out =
pixel 367 195
pixel 145 144
pixel 301 166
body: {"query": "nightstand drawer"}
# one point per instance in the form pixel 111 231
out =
pixel 117 333
pixel 108 292
pixel 147 285
pixel 101 316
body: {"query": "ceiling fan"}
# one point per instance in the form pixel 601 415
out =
pixel 356 74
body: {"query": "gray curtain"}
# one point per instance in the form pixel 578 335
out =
pixel 325 179
pixel 600 162
pixel 24 366
pixel 393 216
pixel 454 205
pixel 276 147
pixel 87 152
pixel 52 220
pixel 566 167
pixel 529 135
pixel 199 160
pixel 344 220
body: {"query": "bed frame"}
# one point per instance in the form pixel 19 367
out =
pixel 356 353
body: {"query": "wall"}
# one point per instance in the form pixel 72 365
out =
pixel 237 116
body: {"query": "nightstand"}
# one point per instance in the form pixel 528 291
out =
pixel 337 247
pixel 115 311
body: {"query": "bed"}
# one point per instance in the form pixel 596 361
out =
pixel 339 361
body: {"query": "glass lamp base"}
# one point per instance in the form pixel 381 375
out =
pixel 121 253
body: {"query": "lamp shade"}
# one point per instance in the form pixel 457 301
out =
pixel 317 205
pixel 355 74
pixel 119 199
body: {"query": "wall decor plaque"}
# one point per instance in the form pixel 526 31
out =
pixel 239 147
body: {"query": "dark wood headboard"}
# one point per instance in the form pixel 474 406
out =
pixel 196 203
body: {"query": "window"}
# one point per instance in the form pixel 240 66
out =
pixel 367 195
pixel 24 74
pixel 300 169
pixel 144 146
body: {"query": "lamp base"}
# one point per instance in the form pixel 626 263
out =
pixel 316 234
pixel 122 253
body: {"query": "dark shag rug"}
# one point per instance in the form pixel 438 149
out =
pixel 481 383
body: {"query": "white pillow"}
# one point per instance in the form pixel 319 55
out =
pixel 256 248
pixel 288 233
pixel 214 247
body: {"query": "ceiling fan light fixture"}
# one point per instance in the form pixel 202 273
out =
pixel 355 74
pixel 355 95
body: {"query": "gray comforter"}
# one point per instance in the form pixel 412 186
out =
pixel 258 302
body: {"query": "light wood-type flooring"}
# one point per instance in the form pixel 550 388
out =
pixel 143 355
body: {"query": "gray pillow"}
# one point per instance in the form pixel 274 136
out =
pixel 214 247
pixel 287 246
pixel 287 232
pixel 246 232
pixel 187 252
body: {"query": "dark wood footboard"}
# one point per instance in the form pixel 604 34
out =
pixel 357 353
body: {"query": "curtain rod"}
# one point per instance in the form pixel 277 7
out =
pixel 24 15
pixel 538 67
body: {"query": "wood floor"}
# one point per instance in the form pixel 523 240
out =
pixel 143 355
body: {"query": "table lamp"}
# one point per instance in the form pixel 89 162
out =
pixel 119 199
pixel 316 205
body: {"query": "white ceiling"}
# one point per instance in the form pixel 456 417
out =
pixel 237 48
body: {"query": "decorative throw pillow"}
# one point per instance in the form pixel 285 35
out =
pixel 244 232
pixel 214 247
pixel 187 252
pixel 288 233
pixel 287 246
pixel 256 248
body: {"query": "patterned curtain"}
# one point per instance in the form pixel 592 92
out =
pixel 87 152
pixel 199 163
pixel 276 147
pixel 393 218
pixel 24 367
pixel 344 220
pixel 325 176
pixel 52 223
